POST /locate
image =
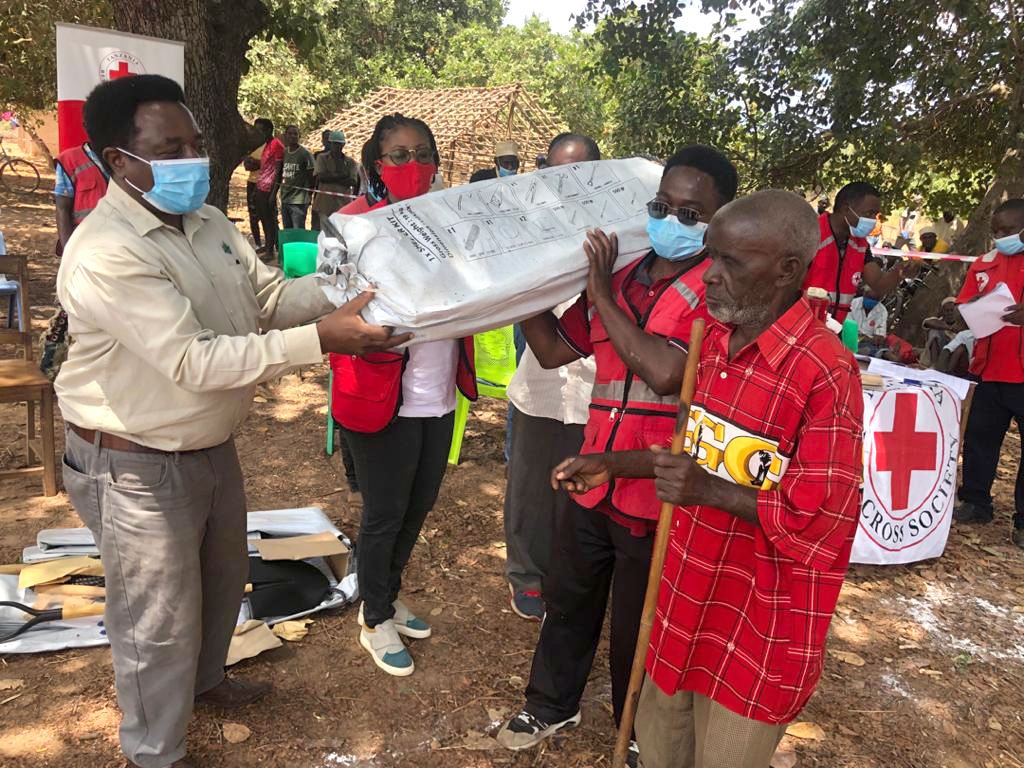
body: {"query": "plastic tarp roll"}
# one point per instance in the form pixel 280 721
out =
pixel 480 256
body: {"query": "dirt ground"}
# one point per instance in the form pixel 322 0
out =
pixel 935 679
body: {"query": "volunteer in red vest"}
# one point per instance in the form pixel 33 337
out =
pixel 635 323
pixel 998 362
pixel 81 183
pixel 767 504
pixel 844 258
pixel 397 411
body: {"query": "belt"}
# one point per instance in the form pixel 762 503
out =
pixel 113 442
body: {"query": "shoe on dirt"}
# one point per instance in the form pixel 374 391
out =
pixel 526 604
pixel 633 755
pixel 386 648
pixel 409 624
pixel 966 512
pixel 524 730
pixel 405 622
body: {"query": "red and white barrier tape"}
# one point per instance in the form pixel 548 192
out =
pixel 921 255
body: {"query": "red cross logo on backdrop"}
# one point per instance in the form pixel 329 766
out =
pixel 903 450
pixel 121 71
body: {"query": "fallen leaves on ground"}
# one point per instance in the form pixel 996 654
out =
pixel 847 657
pixel 11 684
pixel 811 731
pixel 293 630
pixel 235 733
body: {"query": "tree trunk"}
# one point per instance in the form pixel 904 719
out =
pixel 39 143
pixel 216 34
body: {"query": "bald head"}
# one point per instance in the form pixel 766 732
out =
pixel 760 246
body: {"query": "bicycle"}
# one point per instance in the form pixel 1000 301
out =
pixel 17 175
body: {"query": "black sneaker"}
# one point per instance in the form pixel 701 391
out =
pixel 527 604
pixel 633 755
pixel 524 730
pixel 966 512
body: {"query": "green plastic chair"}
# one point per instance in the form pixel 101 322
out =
pixel 298 258
pixel 495 353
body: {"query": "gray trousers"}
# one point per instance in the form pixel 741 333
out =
pixel 537 445
pixel 688 730
pixel 171 533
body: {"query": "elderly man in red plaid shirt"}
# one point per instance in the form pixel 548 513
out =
pixel 767 502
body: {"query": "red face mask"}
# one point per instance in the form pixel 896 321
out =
pixel 409 180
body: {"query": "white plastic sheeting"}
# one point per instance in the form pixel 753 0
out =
pixel 480 256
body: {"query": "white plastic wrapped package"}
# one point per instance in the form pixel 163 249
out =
pixel 468 259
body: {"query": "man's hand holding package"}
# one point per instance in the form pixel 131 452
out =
pixel 344 331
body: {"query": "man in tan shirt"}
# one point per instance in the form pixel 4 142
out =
pixel 174 322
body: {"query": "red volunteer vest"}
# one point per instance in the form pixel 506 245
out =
pixel 625 413
pixel 838 274
pixel 367 391
pixel 88 179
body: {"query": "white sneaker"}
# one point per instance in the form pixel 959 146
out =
pixel 524 730
pixel 387 649
pixel 405 622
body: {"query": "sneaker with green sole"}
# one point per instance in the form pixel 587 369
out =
pixel 405 622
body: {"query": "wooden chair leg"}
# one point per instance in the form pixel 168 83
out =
pixel 30 433
pixel 49 456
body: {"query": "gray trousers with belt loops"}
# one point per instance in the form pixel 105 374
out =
pixel 171 532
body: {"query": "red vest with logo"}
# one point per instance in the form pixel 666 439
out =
pixel 839 274
pixel 367 390
pixel 625 413
pixel 87 177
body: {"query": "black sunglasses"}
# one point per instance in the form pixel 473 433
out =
pixel 659 210
pixel 424 155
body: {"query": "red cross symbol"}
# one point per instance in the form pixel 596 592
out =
pixel 121 71
pixel 904 449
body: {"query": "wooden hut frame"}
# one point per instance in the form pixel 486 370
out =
pixel 466 123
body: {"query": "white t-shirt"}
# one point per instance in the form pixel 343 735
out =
pixel 873 323
pixel 428 382
pixel 562 394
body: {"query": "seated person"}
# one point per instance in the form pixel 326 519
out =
pixel 942 329
pixel 872 320
pixel 955 357
pixel 931 242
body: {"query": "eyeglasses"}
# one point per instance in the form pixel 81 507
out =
pixel 659 210
pixel 424 155
pixel 508 162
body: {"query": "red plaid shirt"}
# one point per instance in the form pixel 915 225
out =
pixel 743 611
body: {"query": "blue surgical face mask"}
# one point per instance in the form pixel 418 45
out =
pixel 1010 245
pixel 873 240
pixel 506 171
pixel 179 186
pixel 863 226
pixel 870 304
pixel 673 240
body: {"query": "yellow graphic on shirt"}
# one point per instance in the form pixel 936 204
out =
pixel 733 453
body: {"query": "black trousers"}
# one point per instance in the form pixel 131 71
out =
pixel 536 446
pixel 265 205
pixel 254 221
pixel 592 556
pixel 994 404
pixel 400 470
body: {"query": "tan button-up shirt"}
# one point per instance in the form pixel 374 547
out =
pixel 172 332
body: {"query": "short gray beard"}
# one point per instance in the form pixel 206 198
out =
pixel 733 314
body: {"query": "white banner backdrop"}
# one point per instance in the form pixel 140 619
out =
pixel 911 446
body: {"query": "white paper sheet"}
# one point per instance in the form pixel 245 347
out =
pixel 984 316
pixel 901 372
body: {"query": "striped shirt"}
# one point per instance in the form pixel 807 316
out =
pixel 743 611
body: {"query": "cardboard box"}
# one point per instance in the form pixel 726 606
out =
pixel 325 545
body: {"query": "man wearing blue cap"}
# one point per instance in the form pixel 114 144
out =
pixel 337 175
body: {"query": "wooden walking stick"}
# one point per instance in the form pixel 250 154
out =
pixel 636 674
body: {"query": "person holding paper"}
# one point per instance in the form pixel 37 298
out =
pixel 175 322
pixel 636 323
pixel 998 362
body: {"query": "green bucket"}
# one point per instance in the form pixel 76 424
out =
pixel 298 259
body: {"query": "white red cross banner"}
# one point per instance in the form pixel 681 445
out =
pixel 88 56
pixel 911 447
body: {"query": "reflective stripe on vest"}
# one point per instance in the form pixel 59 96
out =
pixel 613 393
pixel 88 179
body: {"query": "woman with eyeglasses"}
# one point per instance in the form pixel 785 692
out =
pixel 635 322
pixel 396 411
